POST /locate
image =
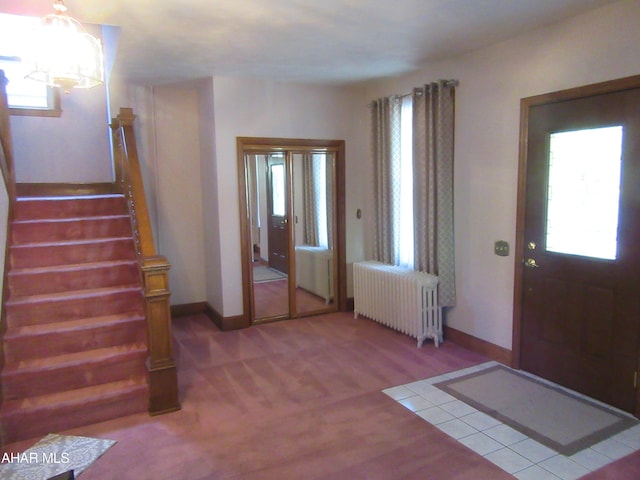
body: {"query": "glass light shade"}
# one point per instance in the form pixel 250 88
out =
pixel 64 55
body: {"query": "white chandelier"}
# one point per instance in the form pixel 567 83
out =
pixel 63 54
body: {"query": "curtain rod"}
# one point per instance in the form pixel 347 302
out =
pixel 447 83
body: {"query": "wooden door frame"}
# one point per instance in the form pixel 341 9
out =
pixel 258 144
pixel 526 104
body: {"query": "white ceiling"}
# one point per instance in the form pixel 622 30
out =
pixel 321 41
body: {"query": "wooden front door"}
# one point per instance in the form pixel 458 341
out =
pixel 277 212
pixel 580 317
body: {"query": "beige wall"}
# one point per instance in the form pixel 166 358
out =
pixel 213 229
pixel 597 46
pixel 43 150
pixel 179 195
pixel 73 148
pixel 191 150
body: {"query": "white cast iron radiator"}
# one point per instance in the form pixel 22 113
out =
pixel 399 298
pixel 314 270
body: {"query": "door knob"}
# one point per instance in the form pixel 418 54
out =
pixel 530 263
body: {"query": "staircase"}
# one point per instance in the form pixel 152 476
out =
pixel 75 340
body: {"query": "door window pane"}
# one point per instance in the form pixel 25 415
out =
pixel 584 192
pixel 277 189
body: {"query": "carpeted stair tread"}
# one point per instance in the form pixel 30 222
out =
pixel 72 276
pixel 77 397
pixel 42 254
pixel 61 229
pixel 52 363
pixel 81 324
pixel 59 307
pixel 70 296
pixel 75 243
pixel 65 220
pixel 60 207
pixel 40 376
pixel 70 267
pixel 37 416
pixel 69 336
pixel 81 408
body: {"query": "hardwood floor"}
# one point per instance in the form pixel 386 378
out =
pixel 271 298
pixel 298 399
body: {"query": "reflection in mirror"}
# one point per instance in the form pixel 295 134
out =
pixel 292 227
pixel 313 199
pixel 269 238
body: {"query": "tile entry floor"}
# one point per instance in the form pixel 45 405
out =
pixel 514 452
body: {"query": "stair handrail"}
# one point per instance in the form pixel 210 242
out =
pixel 6 149
pixel 154 268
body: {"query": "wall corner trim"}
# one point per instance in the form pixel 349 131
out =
pixel 223 323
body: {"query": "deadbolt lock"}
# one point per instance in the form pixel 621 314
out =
pixel 531 245
pixel 530 263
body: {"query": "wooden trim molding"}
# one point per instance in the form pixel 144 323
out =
pixel 188 309
pixel 203 308
pixel 227 323
pixel 477 345
pixel 350 304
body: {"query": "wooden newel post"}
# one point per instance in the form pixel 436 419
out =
pixel 163 379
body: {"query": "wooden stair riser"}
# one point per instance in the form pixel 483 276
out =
pixel 18 348
pixel 51 311
pixel 47 379
pixel 64 254
pixel 69 229
pixel 27 209
pixel 38 420
pixel 77 278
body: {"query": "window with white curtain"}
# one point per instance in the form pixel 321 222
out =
pixel 320 181
pixel 402 181
pixel 412 155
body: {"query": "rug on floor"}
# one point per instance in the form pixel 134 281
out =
pixel 266 274
pixel 52 455
pixel 565 422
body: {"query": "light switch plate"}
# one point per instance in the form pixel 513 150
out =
pixel 501 248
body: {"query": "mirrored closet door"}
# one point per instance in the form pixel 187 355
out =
pixel 291 220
